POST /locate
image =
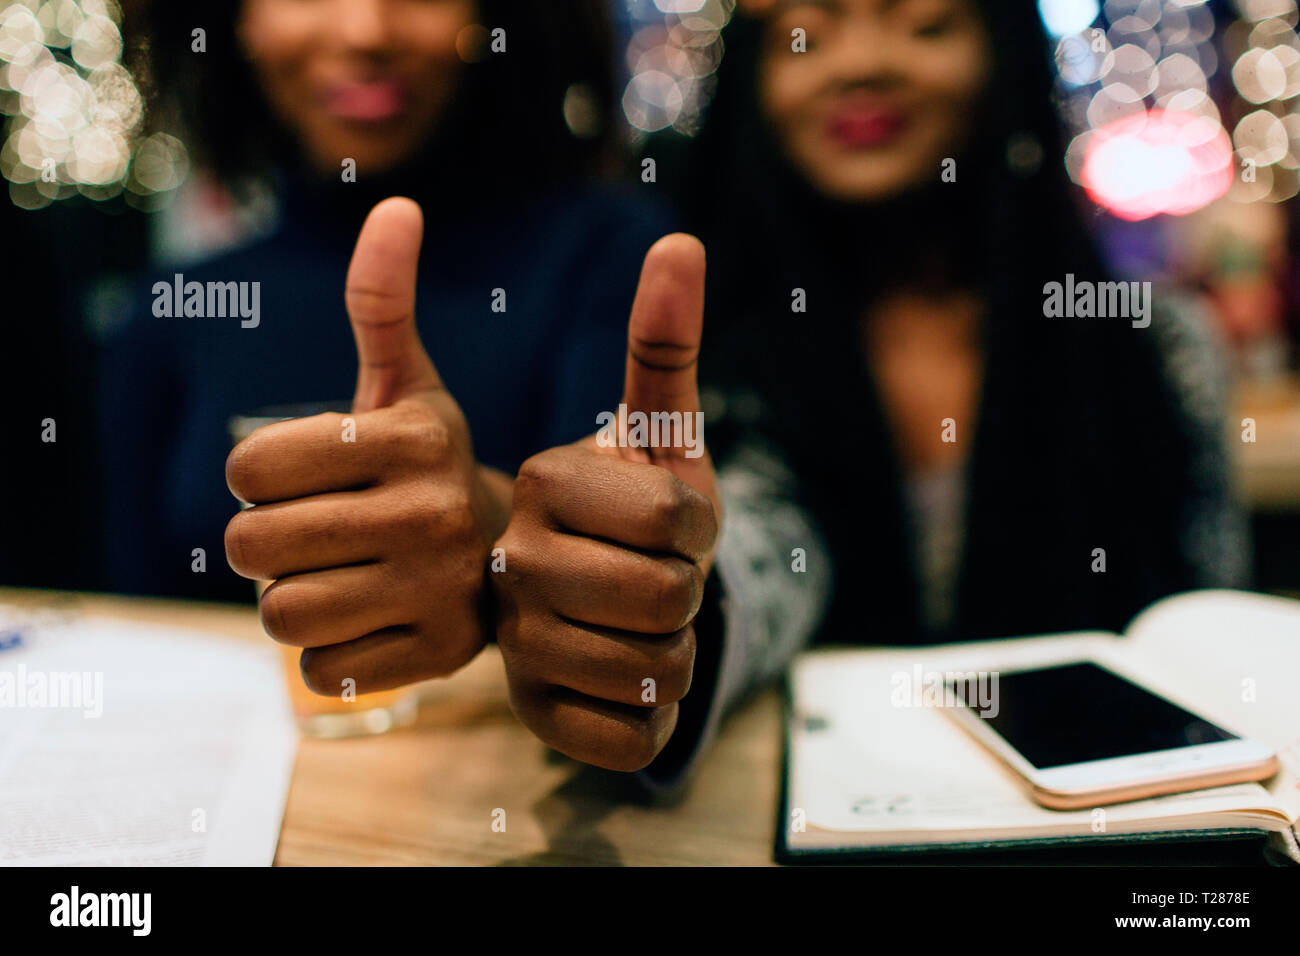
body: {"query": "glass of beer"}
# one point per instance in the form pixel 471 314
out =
pixel 318 715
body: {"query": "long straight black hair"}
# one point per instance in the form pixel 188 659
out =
pixel 1049 459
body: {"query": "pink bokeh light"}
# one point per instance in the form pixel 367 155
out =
pixel 1155 162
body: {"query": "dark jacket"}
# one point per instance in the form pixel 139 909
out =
pixel 527 378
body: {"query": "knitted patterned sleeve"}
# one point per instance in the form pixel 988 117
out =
pixel 769 589
pixel 1215 543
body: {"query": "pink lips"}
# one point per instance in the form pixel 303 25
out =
pixel 370 102
pixel 863 127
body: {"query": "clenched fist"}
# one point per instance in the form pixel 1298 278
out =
pixel 608 549
pixel 375 532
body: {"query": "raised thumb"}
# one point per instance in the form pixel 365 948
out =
pixel 380 297
pixel 663 334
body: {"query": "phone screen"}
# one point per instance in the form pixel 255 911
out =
pixel 1074 713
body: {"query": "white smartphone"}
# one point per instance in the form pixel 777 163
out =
pixel 1081 735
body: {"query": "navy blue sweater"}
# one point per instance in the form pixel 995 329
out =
pixel 528 378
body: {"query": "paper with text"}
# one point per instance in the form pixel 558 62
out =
pixel 187 763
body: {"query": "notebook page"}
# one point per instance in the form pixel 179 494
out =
pixel 1235 657
pixel 160 747
pixel 862 758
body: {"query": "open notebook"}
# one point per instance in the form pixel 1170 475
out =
pixel 869 772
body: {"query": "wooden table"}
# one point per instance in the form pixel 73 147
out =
pixel 426 794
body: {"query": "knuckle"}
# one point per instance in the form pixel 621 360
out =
pixel 536 467
pixel 537 476
pixel 529 701
pixel 234 543
pixel 673 590
pixel 458 513
pixel 508 632
pixel 407 434
pixel 400 515
pixel 422 438
pixel 242 547
pixel 684 514
pixel 525 554
pixel 271 609
pixel 441 514
pixel 677 666
pixel 585 732
pixel 669 503
pixel 523 640
pixel 335 420
pixel 707 520
pixel 511 545
pixel 630 746
pixel 510 584
pixel 426 517
pixel 314 668
pixel 441 652
pixel 239 469
pixel 388 520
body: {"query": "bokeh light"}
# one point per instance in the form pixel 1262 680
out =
pixel 1157 162
pixel 1150 110
pixel 1062 17
pixel 672 59
pixel 74 112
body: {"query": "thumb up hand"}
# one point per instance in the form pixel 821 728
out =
pixel 375 527
pixel 610 541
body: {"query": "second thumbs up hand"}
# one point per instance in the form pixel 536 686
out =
pixel 609 547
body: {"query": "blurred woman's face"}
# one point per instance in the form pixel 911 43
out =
pixel 356 79
pixel 886 90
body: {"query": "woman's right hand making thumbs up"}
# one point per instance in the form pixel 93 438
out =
pixel 608 549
